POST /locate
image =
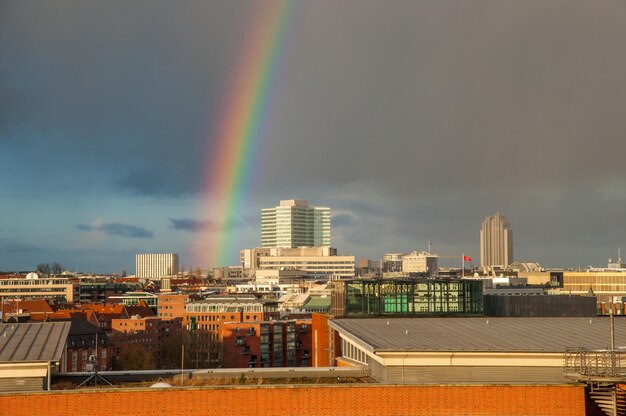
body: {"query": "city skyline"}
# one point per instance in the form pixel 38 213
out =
pixel 411 121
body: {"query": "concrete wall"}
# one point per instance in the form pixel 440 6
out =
pixel 357 400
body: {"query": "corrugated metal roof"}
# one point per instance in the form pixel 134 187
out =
pixel 33 341
pixel 484 334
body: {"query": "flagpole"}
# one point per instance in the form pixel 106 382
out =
pixel 463 265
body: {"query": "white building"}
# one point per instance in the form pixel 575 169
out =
pixel 315 262
pixel 295 224
pixel 155 266
pixel 419 262
pixel 496 242
pixel 34 287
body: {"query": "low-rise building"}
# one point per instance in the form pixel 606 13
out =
pixel 30 367
pixel 136 331
pixel 420 262
pixel 172 305
pixel 483 350
pixel 86 346
pixel 316 262
pixel 34 287
pixel 267 344
pixel 419 296
pixel 204 320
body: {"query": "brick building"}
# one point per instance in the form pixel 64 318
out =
pixel 204 319
pixel 83 341
pixel 136 331
pixel 170 306
pixel 267 344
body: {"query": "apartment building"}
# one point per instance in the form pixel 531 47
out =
pixel 204 320
pixel 267 344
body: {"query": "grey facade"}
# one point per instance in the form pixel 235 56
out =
pixel 540 305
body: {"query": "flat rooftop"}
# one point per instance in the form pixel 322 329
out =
pixel 484 334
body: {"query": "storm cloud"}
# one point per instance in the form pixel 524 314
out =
pixel 118 230
pixel 411 120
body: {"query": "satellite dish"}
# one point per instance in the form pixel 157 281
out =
pixel 32 276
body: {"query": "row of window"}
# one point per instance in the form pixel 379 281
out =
pixel 208 308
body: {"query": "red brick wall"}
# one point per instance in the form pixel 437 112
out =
pixel 348 400
pixel 172 306
pixel 306 343
pixel 320 351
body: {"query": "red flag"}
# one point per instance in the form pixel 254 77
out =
pixel 465 258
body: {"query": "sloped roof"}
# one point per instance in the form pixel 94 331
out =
pixel 318 303
pixel 30 305
pixel 482 334
pixel 33 341
pixel 142 309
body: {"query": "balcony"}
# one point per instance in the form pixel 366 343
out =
pixel 597 365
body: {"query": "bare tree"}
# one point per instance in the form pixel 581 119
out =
pixel 136 357
pixel 43 268
pixel 56 268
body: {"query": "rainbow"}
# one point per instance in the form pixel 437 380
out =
pixel 241 130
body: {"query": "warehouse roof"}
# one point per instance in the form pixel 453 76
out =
pixel 482 334
pixel 33 341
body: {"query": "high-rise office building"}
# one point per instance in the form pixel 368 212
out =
pixel 295 224
pixel 155 266
pixel 496 242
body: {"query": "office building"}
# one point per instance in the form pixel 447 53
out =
pixel 419 296
pixel 315 262
pixel 155 266
pixel 420 262
pixel 34 287
pixel 295 224
pixel 496 242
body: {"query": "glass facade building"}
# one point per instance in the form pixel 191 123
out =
pixel 365 297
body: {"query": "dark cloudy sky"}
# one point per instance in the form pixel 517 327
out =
pixel 412 120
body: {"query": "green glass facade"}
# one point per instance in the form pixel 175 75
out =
pixel 413 297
